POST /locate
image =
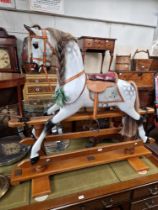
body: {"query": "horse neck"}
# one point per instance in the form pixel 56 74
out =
pixel 73 61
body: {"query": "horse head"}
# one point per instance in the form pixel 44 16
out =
pixel 39 48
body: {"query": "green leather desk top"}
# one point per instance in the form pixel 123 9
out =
pixel 74 182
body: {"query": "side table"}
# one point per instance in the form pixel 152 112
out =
pixel 13 80
pixel 97 45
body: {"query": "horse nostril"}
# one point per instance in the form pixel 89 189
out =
pixel 35 45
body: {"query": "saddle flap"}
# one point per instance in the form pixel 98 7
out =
pixel 98 86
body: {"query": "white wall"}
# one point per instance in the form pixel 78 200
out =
pixel 131 22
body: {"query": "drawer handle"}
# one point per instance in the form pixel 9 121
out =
pixel 154 190
pixel 149 205
pixel 37 89
pixel 107 204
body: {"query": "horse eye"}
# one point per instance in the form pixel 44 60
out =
pixel 35 45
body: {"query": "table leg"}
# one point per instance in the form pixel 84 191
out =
pixel 102 61
pixel 83 55
pixel 20 103
pixel 111 55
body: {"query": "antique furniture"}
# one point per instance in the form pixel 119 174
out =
pixel 123 63
pixel 13 81
pixel 110 186
pixel 39 86
pixel 145 83
pixel 97 45
pixel 141 64
pixel 8 52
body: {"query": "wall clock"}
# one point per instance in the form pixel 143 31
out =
pixel 8 52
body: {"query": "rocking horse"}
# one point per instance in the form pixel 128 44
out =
pixel 75 89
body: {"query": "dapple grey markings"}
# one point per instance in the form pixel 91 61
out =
pixel 72 84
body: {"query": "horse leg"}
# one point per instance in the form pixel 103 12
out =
pixel 130 111
pixel 64 113
pixel 52 109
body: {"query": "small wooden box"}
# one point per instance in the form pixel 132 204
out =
pixel 123 62
pixel 141 64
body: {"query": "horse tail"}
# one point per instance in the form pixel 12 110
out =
pixel 137 102
pixel 129 125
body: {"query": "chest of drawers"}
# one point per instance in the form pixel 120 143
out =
pixel 39 86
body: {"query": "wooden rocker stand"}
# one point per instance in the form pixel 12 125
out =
pixel 59 163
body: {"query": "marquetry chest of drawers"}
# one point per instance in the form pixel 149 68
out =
pixel 39 86
pixel 97 45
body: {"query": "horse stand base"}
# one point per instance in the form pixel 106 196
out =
pixel 56 164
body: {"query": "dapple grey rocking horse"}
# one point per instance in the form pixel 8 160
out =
pixel 72 92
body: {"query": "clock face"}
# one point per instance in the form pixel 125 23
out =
pixel 4 59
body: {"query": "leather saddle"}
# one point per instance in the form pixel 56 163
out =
pixel 97 83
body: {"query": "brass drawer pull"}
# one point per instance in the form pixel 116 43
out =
pixel 149 205
pixel 37 89
pixel 108 203
pixel 154 190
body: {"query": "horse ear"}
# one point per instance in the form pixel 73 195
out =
pixel 29 29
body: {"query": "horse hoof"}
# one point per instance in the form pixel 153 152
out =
pixel 150 140
pixel 34 160
pixel 45 113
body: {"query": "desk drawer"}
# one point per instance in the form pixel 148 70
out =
pixel 145 204
pixel 109 45
pixel 36 89
pixel 104 203
pixel 146 191
pixel 103 44
pixel 40 79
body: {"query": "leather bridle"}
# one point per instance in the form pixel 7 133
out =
pixel 44 59
pixel 44 37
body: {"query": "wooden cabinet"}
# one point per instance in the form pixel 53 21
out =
pixel 97 45
pixel 39 86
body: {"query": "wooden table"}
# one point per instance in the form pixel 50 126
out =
pixel 114 185
pixel 13 80
pixel 97 45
